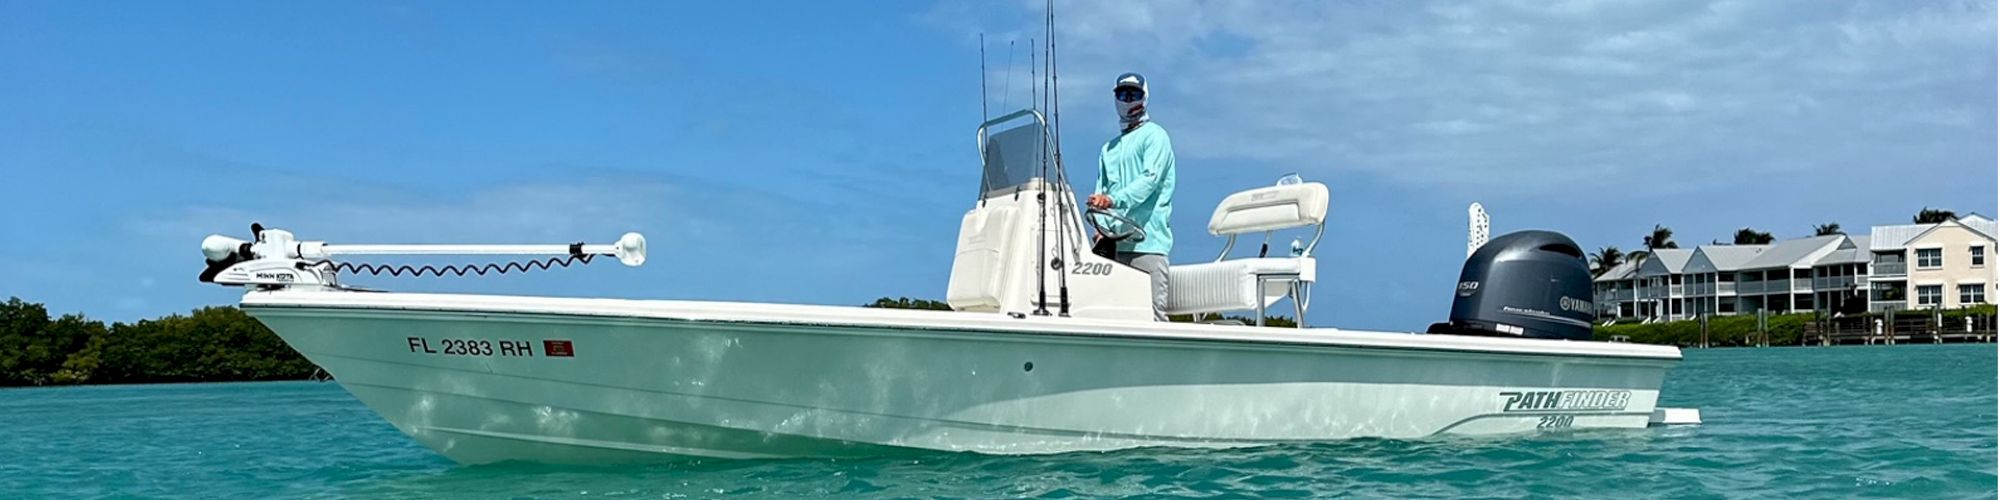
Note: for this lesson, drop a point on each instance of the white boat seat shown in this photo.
(1232, 285)
(1253, 283)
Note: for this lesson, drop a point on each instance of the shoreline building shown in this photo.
(1662, 293)
(1617, 292)
(1921, 266)
(1713, 270)
(1780, 278)
(1909, 266)
(1840, 279)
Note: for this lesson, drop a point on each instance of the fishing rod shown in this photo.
(1042, 263)
(983, 114)
(1067, 204)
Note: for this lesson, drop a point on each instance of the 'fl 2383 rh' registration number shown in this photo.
(489, 347)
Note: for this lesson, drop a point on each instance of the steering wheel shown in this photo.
(1132, 229)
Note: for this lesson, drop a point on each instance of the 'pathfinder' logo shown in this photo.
(1565, 400)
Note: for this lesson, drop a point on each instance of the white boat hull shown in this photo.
(652, 379)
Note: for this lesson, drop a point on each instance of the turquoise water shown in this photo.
(1902, 421)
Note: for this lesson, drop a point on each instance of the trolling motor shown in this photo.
(276, 259)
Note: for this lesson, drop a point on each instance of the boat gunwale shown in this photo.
(940, 321)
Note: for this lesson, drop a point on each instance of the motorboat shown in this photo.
(1049, 346)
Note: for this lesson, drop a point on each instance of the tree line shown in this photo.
(1610, 256)
(210, 344)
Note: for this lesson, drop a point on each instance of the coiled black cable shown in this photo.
(455, 269)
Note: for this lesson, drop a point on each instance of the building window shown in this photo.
(1972, 294)
(1978, 256)
(1727, 277)
(1930, 295)
(1888, 291)
(1930, 257)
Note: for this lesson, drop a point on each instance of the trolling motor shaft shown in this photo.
(277, 259)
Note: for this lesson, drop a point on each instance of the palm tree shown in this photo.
(1932, 216)
(1605, 259)
(1828, 229)
(1747, 236)
(1662, 237)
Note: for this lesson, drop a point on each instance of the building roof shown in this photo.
(1893, 237)
(1622, 271)
(1800, 252)
(1884, 238)
(1856, 254)
(1979, 224)
(1665, 261)
(1723, 258)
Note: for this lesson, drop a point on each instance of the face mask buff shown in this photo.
(1129, 94)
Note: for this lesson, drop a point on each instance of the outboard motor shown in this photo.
(1531, 284)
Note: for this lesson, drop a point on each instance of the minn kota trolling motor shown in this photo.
(276, 260)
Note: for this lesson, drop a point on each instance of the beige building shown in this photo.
(1921, 266)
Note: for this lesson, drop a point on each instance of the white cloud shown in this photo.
(1501, 96)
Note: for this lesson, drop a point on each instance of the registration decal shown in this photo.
(559, 348)
(504, 348)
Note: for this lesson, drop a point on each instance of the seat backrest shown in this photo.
(1269, 209)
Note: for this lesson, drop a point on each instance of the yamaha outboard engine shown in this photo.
(1530, 284)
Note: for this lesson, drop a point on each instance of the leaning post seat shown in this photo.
(1254, 283)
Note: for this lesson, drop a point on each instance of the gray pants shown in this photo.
(1154, 265)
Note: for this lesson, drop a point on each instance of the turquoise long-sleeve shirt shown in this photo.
(1136, 169)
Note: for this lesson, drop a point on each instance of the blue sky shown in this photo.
(817, 152)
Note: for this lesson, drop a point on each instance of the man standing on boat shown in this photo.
(1135, 178)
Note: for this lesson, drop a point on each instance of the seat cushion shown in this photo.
(1231, 285)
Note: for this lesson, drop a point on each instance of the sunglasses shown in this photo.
(1129, 94)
